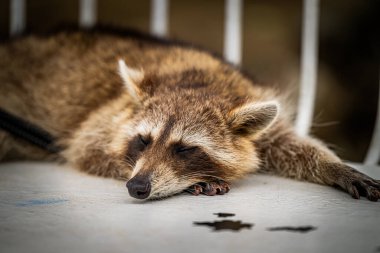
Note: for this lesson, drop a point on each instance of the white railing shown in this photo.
(159, 17)
(233, 31)
(17, 17)
(87, 13)
(373, 154)
(309, 56)
(232, 50)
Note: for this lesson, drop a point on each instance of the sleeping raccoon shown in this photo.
(166, 116)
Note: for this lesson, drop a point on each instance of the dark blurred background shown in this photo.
(349, 39)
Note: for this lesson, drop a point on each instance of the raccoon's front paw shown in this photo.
(358, 184)
(367, 187)
(209, 189)
(217, 187)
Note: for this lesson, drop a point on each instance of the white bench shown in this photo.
(49, 208)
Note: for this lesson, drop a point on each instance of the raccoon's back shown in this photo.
(56, 81)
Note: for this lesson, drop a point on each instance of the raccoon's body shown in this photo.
(164, 115)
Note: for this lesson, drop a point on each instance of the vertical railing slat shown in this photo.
(373, 153)
(159, 17)
(233, 30)
(17, 17)
(309, 62)
(87, 13)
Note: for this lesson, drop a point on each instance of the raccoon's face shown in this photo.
(178, 140)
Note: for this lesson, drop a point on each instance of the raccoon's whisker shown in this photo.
(129, 162)
(129, 159)
(197, 174)
(126, 162)
(132, 164)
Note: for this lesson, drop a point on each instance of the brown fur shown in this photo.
(183, 98)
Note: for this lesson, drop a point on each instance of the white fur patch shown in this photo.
(149, 128)
(139, 164)
(131, 78)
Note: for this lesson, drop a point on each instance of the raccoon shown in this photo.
(166, 116)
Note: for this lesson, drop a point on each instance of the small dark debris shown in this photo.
(225, 225)
(377, 249)
(303, 229)
(224, 215)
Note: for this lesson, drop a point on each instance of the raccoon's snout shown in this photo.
(139, 187)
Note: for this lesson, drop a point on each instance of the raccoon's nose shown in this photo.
(139, 187)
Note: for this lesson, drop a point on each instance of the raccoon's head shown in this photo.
(181, 137)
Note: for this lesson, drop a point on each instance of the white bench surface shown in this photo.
(50, 208)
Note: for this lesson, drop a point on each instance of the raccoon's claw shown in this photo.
(210, 189)
(195, 189)
(367, 188)
(216, 188)
(358, 184)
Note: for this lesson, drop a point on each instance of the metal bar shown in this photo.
(159, 17)
(309, 66)
(233, 30)
(17, 17)
(27, 131)
(373, 153)
(87, 13)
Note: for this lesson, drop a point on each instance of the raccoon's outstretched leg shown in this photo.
(303, 158)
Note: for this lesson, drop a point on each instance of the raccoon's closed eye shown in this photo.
(145, 141)
(184, 149)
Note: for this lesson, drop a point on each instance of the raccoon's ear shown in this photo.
(131, 79)
(253, 118)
